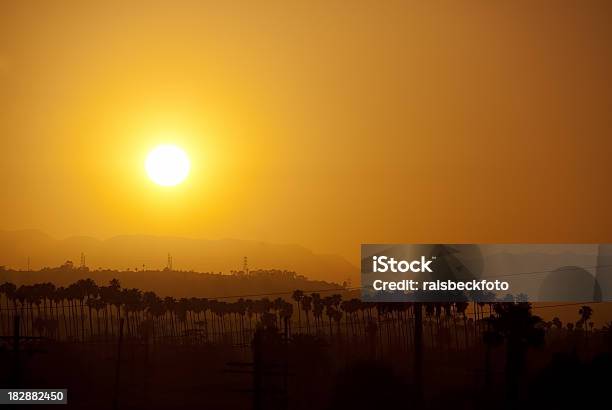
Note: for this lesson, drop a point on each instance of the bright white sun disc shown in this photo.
(167, 165)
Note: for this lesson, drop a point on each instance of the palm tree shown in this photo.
(22, 295)
(58, 300)
(88, 290)
(240, 307)
(307, 306)
(113, 295)
(515, 323)
(279, 304)
(96, 305)
(298, 295)
(607, 332)
(429, 312)
(330, 311)
(286, 313)
(9, 290)
(106, 295)
(461, 308)
(317, 310)
(132, 303)
(418, 350)
(157, 309)
(585, 313)
(337, 316)
(45, 291)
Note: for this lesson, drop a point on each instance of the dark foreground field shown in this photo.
(305, 373)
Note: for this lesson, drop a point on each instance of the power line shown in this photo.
(343, 289)
(364, 287)
(568, 268)
(566, 304)
(75, 305)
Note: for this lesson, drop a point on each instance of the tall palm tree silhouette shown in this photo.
(515, 323)
(298, 295)
(460, 308)
(307, 307)
(10, 293)
(88, 290)
(317, 310)
(585, 313)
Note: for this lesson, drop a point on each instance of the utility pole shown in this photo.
(418, 351)
(118, 367)
(18, 349)
(16, 365)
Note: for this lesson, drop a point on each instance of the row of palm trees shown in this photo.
(84, 311)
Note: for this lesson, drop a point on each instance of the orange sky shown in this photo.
(326, 124)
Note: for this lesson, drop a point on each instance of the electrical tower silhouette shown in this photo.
(169, 265)
(82, 260)
(245, 265)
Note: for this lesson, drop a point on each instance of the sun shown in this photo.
(167, 165)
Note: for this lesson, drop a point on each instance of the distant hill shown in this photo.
(270, 283)
(133, 251)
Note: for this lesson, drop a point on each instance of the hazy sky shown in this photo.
(326, 124)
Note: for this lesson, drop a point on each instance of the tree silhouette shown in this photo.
(298, 295)
(585, 313)
(515, 323)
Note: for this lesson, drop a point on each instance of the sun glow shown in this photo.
(167, 165)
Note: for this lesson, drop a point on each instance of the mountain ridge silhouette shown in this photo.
(204, 255)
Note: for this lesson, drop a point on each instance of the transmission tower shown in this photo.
(169, 265)
(82, 260)
(245, 265)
